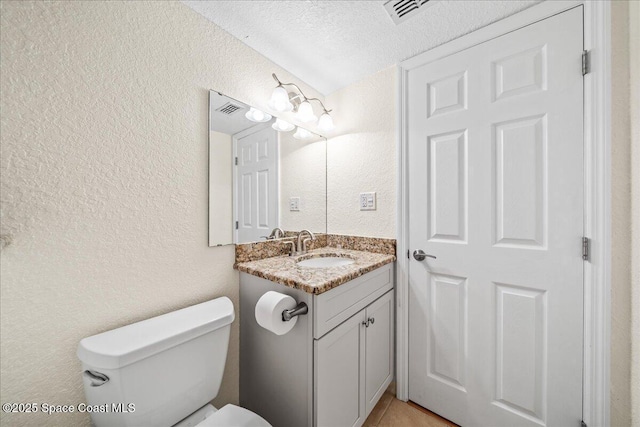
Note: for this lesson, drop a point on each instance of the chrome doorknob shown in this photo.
(419, 255)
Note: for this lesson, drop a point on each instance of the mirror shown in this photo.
(261, 178)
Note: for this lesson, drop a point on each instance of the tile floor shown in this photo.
(391, 412)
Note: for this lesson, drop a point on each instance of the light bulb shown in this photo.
(305, 113)
(280, 100)
(257, 116)
(325, 124)
(282, 126)
(302, 134)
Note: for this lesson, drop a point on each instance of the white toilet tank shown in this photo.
(160, 370)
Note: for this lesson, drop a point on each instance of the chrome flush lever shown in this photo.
(97, 378)
(419, 255)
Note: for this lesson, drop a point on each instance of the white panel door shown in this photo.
(257, 184)
(496, 195)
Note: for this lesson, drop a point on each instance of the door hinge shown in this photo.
(236, 225)
(586, 62)
(585, 248)
(236, 161)
(583, 424)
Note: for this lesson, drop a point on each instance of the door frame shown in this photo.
(597, 187)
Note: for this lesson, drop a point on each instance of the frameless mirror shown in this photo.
(261, 175)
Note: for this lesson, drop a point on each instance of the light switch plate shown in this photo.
(294, 204)
(368, 201)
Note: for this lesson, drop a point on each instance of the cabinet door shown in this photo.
(379, 349)
(339, 375)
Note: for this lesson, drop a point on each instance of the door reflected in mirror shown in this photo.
(264, 173)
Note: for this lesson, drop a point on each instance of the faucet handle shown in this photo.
(304, 244)
(292, 249)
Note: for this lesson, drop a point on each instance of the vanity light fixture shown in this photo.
(282, 101)
(305, 113)
(302, 134)
(282, 125)
(325, 124)
(257, 116)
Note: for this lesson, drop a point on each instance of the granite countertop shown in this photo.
(286, 271)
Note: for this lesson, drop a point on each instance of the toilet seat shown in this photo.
(234, 416)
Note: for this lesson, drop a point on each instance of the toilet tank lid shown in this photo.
(128, 344)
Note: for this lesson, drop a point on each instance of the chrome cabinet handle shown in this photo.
(369, 321)
(419, 255)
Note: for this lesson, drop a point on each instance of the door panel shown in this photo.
(520, 73)
(246, 187)
(521, 324)
(496, 194)
(520, 177)
(338, 377)
(448, 186)
(447, 94)
(448, 338)
(263, 199)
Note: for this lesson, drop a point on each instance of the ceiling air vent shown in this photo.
(401, 10)
(229, 108)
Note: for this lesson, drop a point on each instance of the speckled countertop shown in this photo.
(286, 271)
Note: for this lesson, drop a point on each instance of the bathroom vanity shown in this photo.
(334, 365)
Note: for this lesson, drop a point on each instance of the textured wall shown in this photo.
(104, 180)
(362, 157)
(621, 219)
(634, 49)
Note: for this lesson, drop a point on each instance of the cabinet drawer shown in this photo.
(337, 305)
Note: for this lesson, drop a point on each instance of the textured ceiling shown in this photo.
(331, 44)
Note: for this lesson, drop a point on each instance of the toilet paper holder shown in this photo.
(299, 309)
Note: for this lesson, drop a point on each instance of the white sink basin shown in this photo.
(325, 262)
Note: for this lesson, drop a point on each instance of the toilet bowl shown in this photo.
(163, 371)
(228, 415)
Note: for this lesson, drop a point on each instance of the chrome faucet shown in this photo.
(302, 243)
(276, 233)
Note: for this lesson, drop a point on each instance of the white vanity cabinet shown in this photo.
(333, 366)
(354, 365)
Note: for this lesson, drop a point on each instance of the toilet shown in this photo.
(163, 371)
